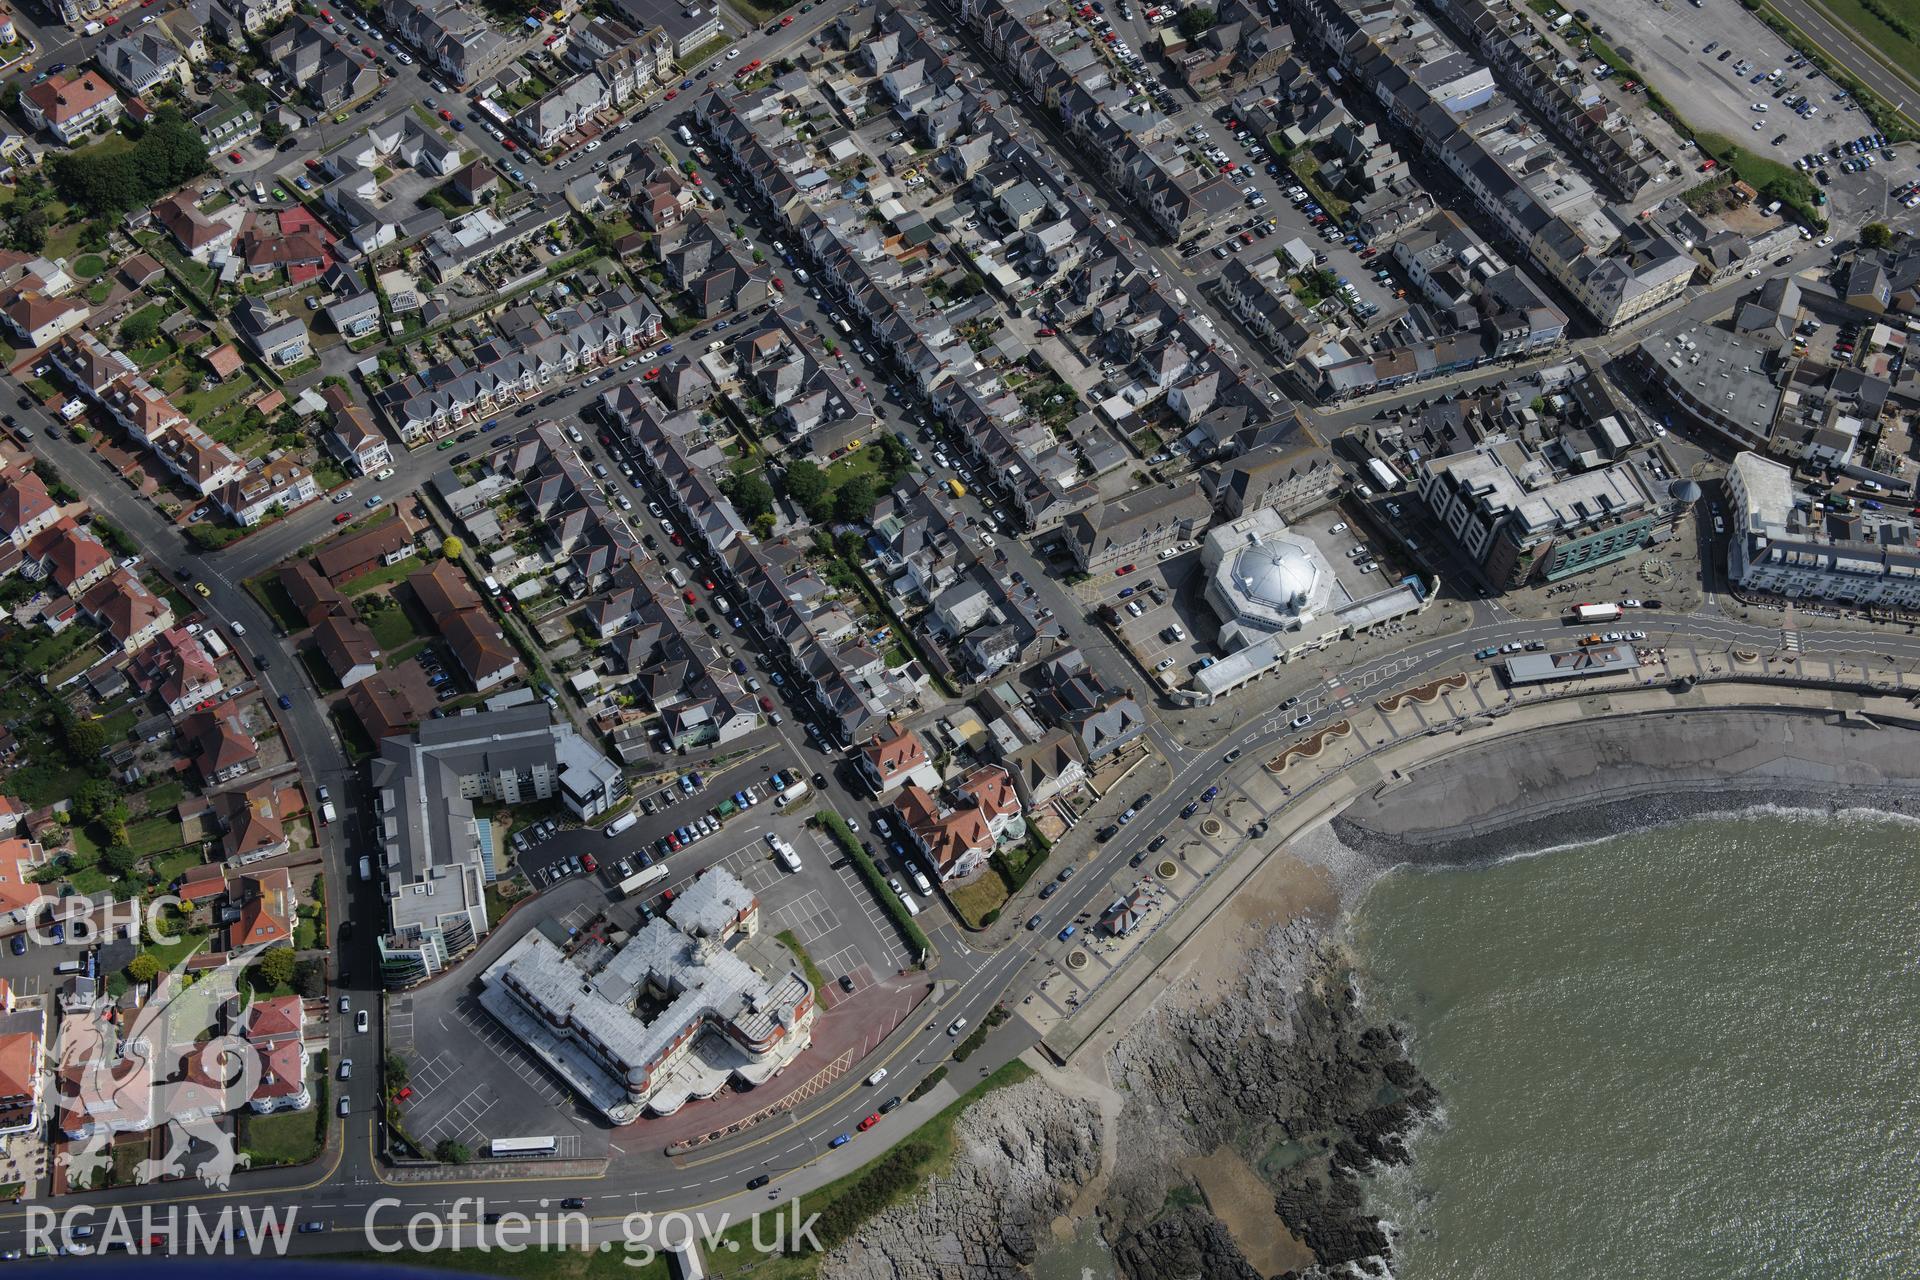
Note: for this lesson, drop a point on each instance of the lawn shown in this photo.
(986, 893)
(185, 942)
(90, 265)
(392, 628)
(223, 412)
(153, 835)
(171, 867)
(50, 651)
(286, 1137)
(163, 796)
(380, 577)
(861, 462)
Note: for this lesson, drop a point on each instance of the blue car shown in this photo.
(842, 1140)
(286, 703)
(1125, 592)
(665, 347)
(459, 126)
(1210, 793)
(776, 678)
(19, 944)
(1068, 932)
(739, 667)
(686, 84)
(1190, 810)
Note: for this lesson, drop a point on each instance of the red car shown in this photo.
(1046, 333)
(509, 144)
(342, 518)
(586, 860)
(506, 605)
(653, 373)
(672, 94)
(112, 20)
(236, 157)
(691, 598)
(780, 284)
(707, 583)
(766, 703)
(869, 1122)
(787, 21)
(445, 114)
(677, 540)
(1124, 570)
(740, 74)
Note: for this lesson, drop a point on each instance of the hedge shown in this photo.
(878, 883)
(926, 1085)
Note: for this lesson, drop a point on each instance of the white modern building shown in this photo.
(1779, 548)
(674, 1015)
(1277, 597)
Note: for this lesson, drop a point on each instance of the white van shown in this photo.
(678, 576)
(686, 135)
(69, 966)
(877, 1077)
(493, 584)
(366, 868)
(907, 901)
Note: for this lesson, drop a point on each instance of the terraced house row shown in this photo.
(244, 492)
(533, 354)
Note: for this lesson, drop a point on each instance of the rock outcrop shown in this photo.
(1022, 1155)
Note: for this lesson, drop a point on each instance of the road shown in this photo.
(1843, 49)
(340, 1190)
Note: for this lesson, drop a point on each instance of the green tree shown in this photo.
(117, 859)
(275, 969)
(143, 967)
(86, 740)
(1197, 19)
(94, 797)
(139, 328)
(752, 496)
(807, 485)
(451, 1152)
(310, 979)
(854, 499)
(1876, 235)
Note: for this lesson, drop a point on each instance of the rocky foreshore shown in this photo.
(1282, 1070)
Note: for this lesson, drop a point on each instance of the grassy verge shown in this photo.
(846, 1203)
(807, 966)
(889, 900)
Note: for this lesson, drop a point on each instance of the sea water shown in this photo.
(1691, 1052)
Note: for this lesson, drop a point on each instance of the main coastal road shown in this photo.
(342, 1191)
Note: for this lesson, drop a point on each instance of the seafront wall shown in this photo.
(1554, 783)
